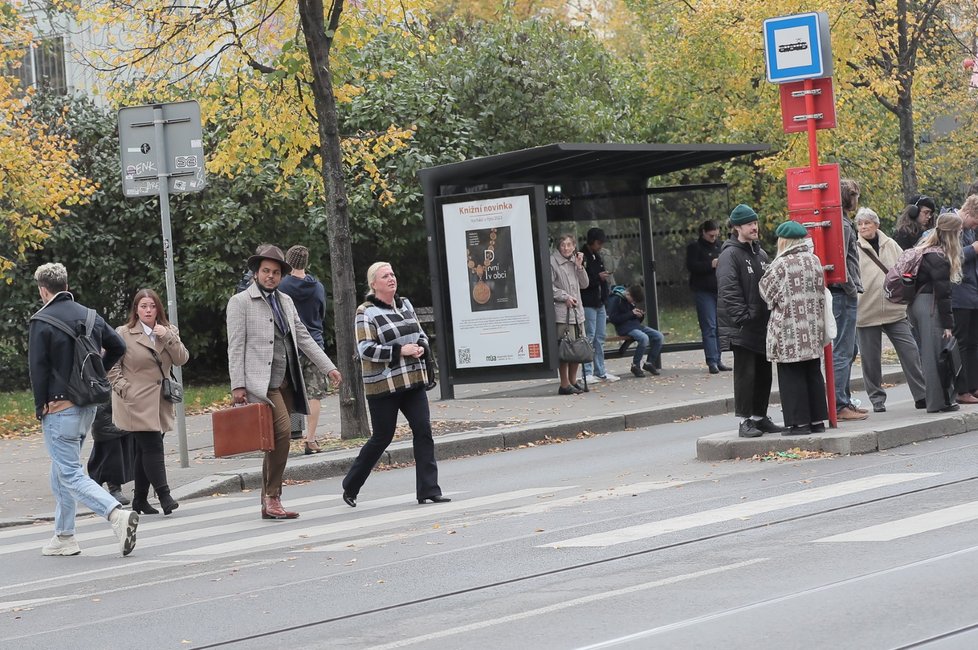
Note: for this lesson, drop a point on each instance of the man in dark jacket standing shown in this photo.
(701, 262)
(743, 317)
(309, 297)
(594, 298)
(51, 355)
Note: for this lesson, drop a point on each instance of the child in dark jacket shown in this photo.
(627, 318)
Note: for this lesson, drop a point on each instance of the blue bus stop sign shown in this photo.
(797, 47)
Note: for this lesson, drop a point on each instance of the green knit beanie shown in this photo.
(742, 214)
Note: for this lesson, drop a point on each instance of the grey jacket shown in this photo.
(251, 337)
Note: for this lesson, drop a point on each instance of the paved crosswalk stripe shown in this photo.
(589, 497)
(567, 604)
(293, 534)
(910, 526)
(151, 524)
(738, 511)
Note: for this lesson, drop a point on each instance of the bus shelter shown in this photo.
(491, 223)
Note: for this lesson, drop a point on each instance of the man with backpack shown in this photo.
(68, 381)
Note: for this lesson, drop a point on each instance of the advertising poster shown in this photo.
(492, 282)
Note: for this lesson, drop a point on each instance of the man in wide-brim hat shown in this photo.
(265, 336)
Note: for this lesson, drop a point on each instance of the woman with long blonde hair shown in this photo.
(930, 312)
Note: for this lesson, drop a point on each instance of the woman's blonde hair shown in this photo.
(970, 207)
(372, 274)
(946, 234)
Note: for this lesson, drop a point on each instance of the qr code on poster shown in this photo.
(464, 356)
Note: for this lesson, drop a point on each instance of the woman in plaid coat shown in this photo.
(391, 345)
(793, 286)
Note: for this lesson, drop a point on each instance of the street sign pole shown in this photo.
(146, 170)
(171, 283)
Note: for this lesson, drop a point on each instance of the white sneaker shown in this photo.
(608, 377)
(591, 379)
(124, 523)
(61, 546)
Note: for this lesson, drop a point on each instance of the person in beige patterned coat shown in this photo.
(793, 286)
(265, 336)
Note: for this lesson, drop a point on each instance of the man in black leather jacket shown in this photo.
(743, 316)
(51, 357)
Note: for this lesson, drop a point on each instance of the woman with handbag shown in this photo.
(793, 286)
(875, 315)
(143, 394)
(930, 311)
(568, 278)
(392, 348)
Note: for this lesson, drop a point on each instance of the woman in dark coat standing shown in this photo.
(112, 454)
(914, 220)
(702, 257)
(930, 312)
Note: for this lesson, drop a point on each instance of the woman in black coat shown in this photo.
(111, 461)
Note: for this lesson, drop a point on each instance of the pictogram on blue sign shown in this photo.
(797, 47)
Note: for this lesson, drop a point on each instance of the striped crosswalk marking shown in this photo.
(910, 526)
(738, 511)
(296, 534)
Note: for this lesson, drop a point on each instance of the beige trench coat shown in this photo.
(567, 280)
(137, 398)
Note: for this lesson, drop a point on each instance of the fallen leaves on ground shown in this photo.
(791, 454)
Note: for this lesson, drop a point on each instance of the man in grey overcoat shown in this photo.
(265, 336)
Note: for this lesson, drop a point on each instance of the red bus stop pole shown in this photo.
(819, 235)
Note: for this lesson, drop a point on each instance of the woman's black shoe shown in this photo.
(817, 427)
(168, 503)
(350, 499)
(435, 499)
(142, 507)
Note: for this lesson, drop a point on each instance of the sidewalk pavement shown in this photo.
(487, 417)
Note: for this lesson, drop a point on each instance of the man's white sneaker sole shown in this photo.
(124, 527)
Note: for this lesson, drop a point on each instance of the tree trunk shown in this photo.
(907, 146)
(353, 413)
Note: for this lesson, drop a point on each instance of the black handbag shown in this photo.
(576, 350)
(171, 389)
(949, 363)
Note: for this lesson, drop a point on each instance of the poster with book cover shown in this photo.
(492, 278)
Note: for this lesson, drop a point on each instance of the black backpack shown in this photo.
(87, 384)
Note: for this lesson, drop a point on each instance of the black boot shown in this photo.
(116, 492)
(140, 503)
(167, 502)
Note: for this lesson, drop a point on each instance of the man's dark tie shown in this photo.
(279, 318)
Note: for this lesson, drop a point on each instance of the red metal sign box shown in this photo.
(793, 111)
(825, 223)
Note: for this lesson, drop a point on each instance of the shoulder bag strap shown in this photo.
(872, 255)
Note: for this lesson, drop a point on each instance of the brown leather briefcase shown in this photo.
(243, 429)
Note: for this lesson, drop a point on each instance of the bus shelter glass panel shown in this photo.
(676, 216)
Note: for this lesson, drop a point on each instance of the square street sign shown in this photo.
(182, 144)
(797, 47)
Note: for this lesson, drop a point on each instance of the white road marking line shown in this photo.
(151, 524)
(294, 535)
(706, 618)
(910, 526)
(87, 521)
(577, 602)
(738, 511)
(544, 504)
(590, 497)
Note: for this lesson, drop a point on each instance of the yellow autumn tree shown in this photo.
(264, 73)
(38, 182)
(899, 89)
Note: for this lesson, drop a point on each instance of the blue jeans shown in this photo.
(643, 336)
(844, 346)
(595, 326)
(706, 314)
(64, 435)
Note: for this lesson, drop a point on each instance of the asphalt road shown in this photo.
(620, 540)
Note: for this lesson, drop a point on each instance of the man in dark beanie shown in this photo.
(594, 298)
(743, 317)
